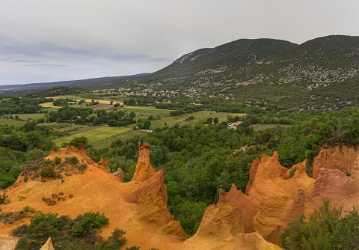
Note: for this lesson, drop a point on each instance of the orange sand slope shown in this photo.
(139, 207)
(7, 243)
(275, 196)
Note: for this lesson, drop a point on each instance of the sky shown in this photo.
(55, 40)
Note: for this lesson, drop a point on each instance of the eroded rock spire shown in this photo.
(144, 169)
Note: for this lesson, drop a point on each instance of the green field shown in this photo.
(67, 128)
(198, 117)
(103, 136)
(258, 127)
(49, 106)
(30, 116)
(145, 111)
(98, 136)
(11, 122)
(20, 119)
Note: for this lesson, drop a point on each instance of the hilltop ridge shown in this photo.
(320, 74)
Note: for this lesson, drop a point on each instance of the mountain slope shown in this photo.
(226, 57)
(267, 60)
(320, 74)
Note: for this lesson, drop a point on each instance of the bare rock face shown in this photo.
(150, 193)
(253, 241)
(144, 170)
(274, 197)
(233, 214)
(343, 158)
(48, 245)
(228, 225)
(337, 178)
(278, 194)
(281, 195)
(7, 243)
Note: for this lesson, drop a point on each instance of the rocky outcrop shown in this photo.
(144, 169)
(281, 195)
(48, 245)
(337, 178)
(274, 197)
(228, 225)
(231, 215)
(7, 243)
(139, 207)
(278, 194)
(148, 190)
(343, 158)
(253, 241)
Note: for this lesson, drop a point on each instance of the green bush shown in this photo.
(48, 171)
(88, 223)
(326, 229)
(68, 234)
(79, 142)
(72, 160)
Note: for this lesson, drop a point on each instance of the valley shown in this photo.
(248, 145)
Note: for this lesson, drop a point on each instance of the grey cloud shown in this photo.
(66, 39)
(49, 50)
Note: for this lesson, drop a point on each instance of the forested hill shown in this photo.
(323, 72)
(318, 62)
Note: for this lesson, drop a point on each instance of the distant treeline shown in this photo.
(95, 117)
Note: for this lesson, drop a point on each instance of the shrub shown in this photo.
(4, 198)
(48, 171)
(79, 142)
(326, 229)
(60, 229)
(72, 160)
(88, 224)
(57, 161)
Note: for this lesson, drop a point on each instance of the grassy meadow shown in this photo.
(104, 135)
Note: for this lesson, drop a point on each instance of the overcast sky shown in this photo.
(52, 40)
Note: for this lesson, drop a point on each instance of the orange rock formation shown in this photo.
(253, 241)
(342, 158)
(139, 207)
(281, 195)
(278, 196)
(7, 243)
(144, 170)
(337, 178)
(225, 223)
(48, 245)
(275, 196)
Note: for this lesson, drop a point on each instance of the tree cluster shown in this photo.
(89, 116)
(80, 233)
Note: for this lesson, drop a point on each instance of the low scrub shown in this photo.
(80, 233)
(326, 229)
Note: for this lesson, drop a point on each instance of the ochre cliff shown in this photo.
(144, 170)
(281, 195)
(337, 178)
(343, 158)
(148, 191)
(278, 194)
(225, 224)
(274, 197)
(139, 207)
